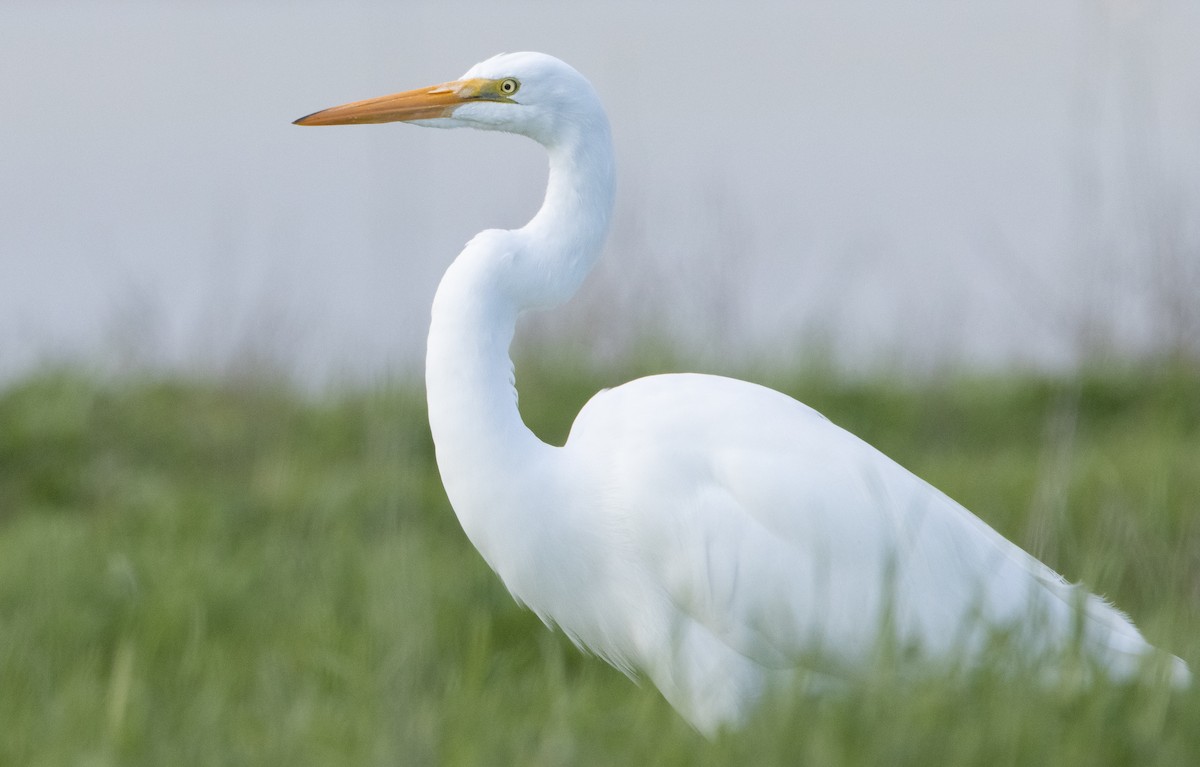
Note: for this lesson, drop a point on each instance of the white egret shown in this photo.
(708, 533)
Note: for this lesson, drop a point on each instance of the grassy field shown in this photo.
(231, 573)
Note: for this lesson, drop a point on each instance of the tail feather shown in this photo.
(1117, 644)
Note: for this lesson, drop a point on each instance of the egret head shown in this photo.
(532, 94)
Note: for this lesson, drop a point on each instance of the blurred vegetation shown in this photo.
(230, 572)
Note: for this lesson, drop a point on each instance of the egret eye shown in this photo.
(509, 86)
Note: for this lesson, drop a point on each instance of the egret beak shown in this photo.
(420, 104)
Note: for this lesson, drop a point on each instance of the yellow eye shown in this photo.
(509, 86)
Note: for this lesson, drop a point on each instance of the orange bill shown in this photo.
(419, 104)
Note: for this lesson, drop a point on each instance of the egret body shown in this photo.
(708, 533)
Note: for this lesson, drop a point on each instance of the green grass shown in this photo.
(230, 573)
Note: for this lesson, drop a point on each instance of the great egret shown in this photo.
(708, 533)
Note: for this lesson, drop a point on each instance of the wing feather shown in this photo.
(782, 533)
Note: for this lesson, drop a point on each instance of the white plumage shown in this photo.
(709, 533)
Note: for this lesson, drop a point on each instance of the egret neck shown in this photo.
(490, 462)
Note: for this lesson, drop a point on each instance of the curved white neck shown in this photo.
(488, 458)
